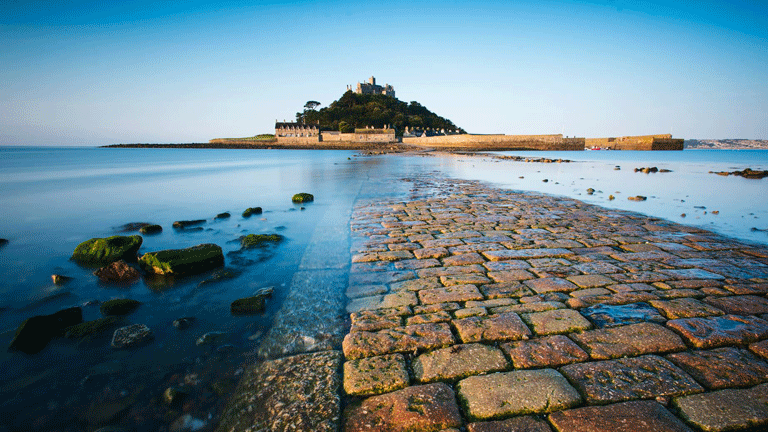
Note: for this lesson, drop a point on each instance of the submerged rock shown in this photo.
(303, 197)
(3, 242)
(103, 251)
(637, 198)
(212, 338)
(219, 275)
(131, 336)
(184, 323)
(196, 259)
(59, 279)
(134, 226)
(251, 211)
(188, 223)
(151, 229)
(118, 307)
(747, 173)
(224, 215)
(172, 396)
(253, 304)
(256, 240)
(118, 271)
(91, 328)
(35, 333)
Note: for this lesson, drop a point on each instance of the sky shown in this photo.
(104, 72)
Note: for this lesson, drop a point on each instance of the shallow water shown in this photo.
(689, 189)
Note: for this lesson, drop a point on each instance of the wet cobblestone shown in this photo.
(534, 312)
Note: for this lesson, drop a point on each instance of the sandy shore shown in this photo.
(472, 308)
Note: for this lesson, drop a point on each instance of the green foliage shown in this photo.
(354, 110)
(345, 127)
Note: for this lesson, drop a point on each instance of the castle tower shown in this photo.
(372, 80)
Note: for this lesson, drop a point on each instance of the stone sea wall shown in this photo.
(500, 142)
(641, 142)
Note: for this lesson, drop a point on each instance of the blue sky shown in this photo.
(102, 72)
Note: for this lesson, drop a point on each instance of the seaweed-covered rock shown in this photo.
(103, 251)
(224, 215)
(134, 226)
(303, 197)
(256, 240)
(60, 279)
(118, 271)
(91, 328)
(119, 307)
(196, 259)
(131, 336)
(151, 229)
(3, 242)
(35, 333)
(251, 211)
(188, 223)
(251, 305)
(184, 322)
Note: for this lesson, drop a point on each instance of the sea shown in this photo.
(55, 198)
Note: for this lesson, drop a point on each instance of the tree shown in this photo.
(345, 127)
(311, 105)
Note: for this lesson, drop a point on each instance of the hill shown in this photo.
(354, 110)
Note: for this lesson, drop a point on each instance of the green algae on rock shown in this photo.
(251, 211)
(118, 307)
(188, 223)
(102, 251)
(256, 240)
(151, 229)
(91, 328)
(192, 260)
(303, 197)
(253, 304)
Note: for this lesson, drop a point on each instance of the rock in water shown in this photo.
(35, 333)
(224, 215)
(256, 240)
(151, 229)
(60, 280)
(103, 251)
(303, 197)
(3, 242)
(253, 304)
(212, 338)
(251, 211)
(196, 259)
(637, 198)
(118, 271)
(118, 307)
(184, 323)
(131, 336)
(188, 223)
(91, 328)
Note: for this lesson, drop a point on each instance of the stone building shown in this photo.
(291, 130)
(371, 87)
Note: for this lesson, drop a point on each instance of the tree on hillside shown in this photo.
(311, 105)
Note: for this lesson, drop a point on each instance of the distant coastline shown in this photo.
(726, 144)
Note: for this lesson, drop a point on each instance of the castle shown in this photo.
(372, 88)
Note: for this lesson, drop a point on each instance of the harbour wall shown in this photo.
(499, 142)
(640, 142)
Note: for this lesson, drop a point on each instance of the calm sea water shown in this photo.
(55, 198)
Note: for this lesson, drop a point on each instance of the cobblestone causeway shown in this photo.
(477, 309)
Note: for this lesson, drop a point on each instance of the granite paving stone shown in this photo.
(591, 280)
(416, 284)
(739, 305)
(545, 285)
(633, 416)
(685, 308)
(500, 327)
(518, 392)
(624, 379)
(463, 259)
(428, 408)
(375, 375)
(506, 289)
(603, 315)
(629, 340)
(725, 410)
(455, 293)
(722, 330)
(722, 367)
(507, 254)
(515, 424)
(464, 279)
(760, 348)
(433, 317)
(398, 339)
(458, 361)
(556, 321)
(431, 252)
(550, 351)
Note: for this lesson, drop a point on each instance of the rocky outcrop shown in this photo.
(35, 333)
(253, 304)
(747, 173)
(151, 229)
(131, 336)
(256, 240)
(118, 307)
(251, 211)
(179, 262)
(184, 224)
(118, 271)
(103, 251)
(303, 197)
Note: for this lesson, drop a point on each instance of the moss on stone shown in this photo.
(188, 223)
(224, 215)
(196, 259)
(256, 240)
(102, 251)
(118, 307)
(251, 211)
(91, 328)
(151, 229)
(303, 197)
(248, 305)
